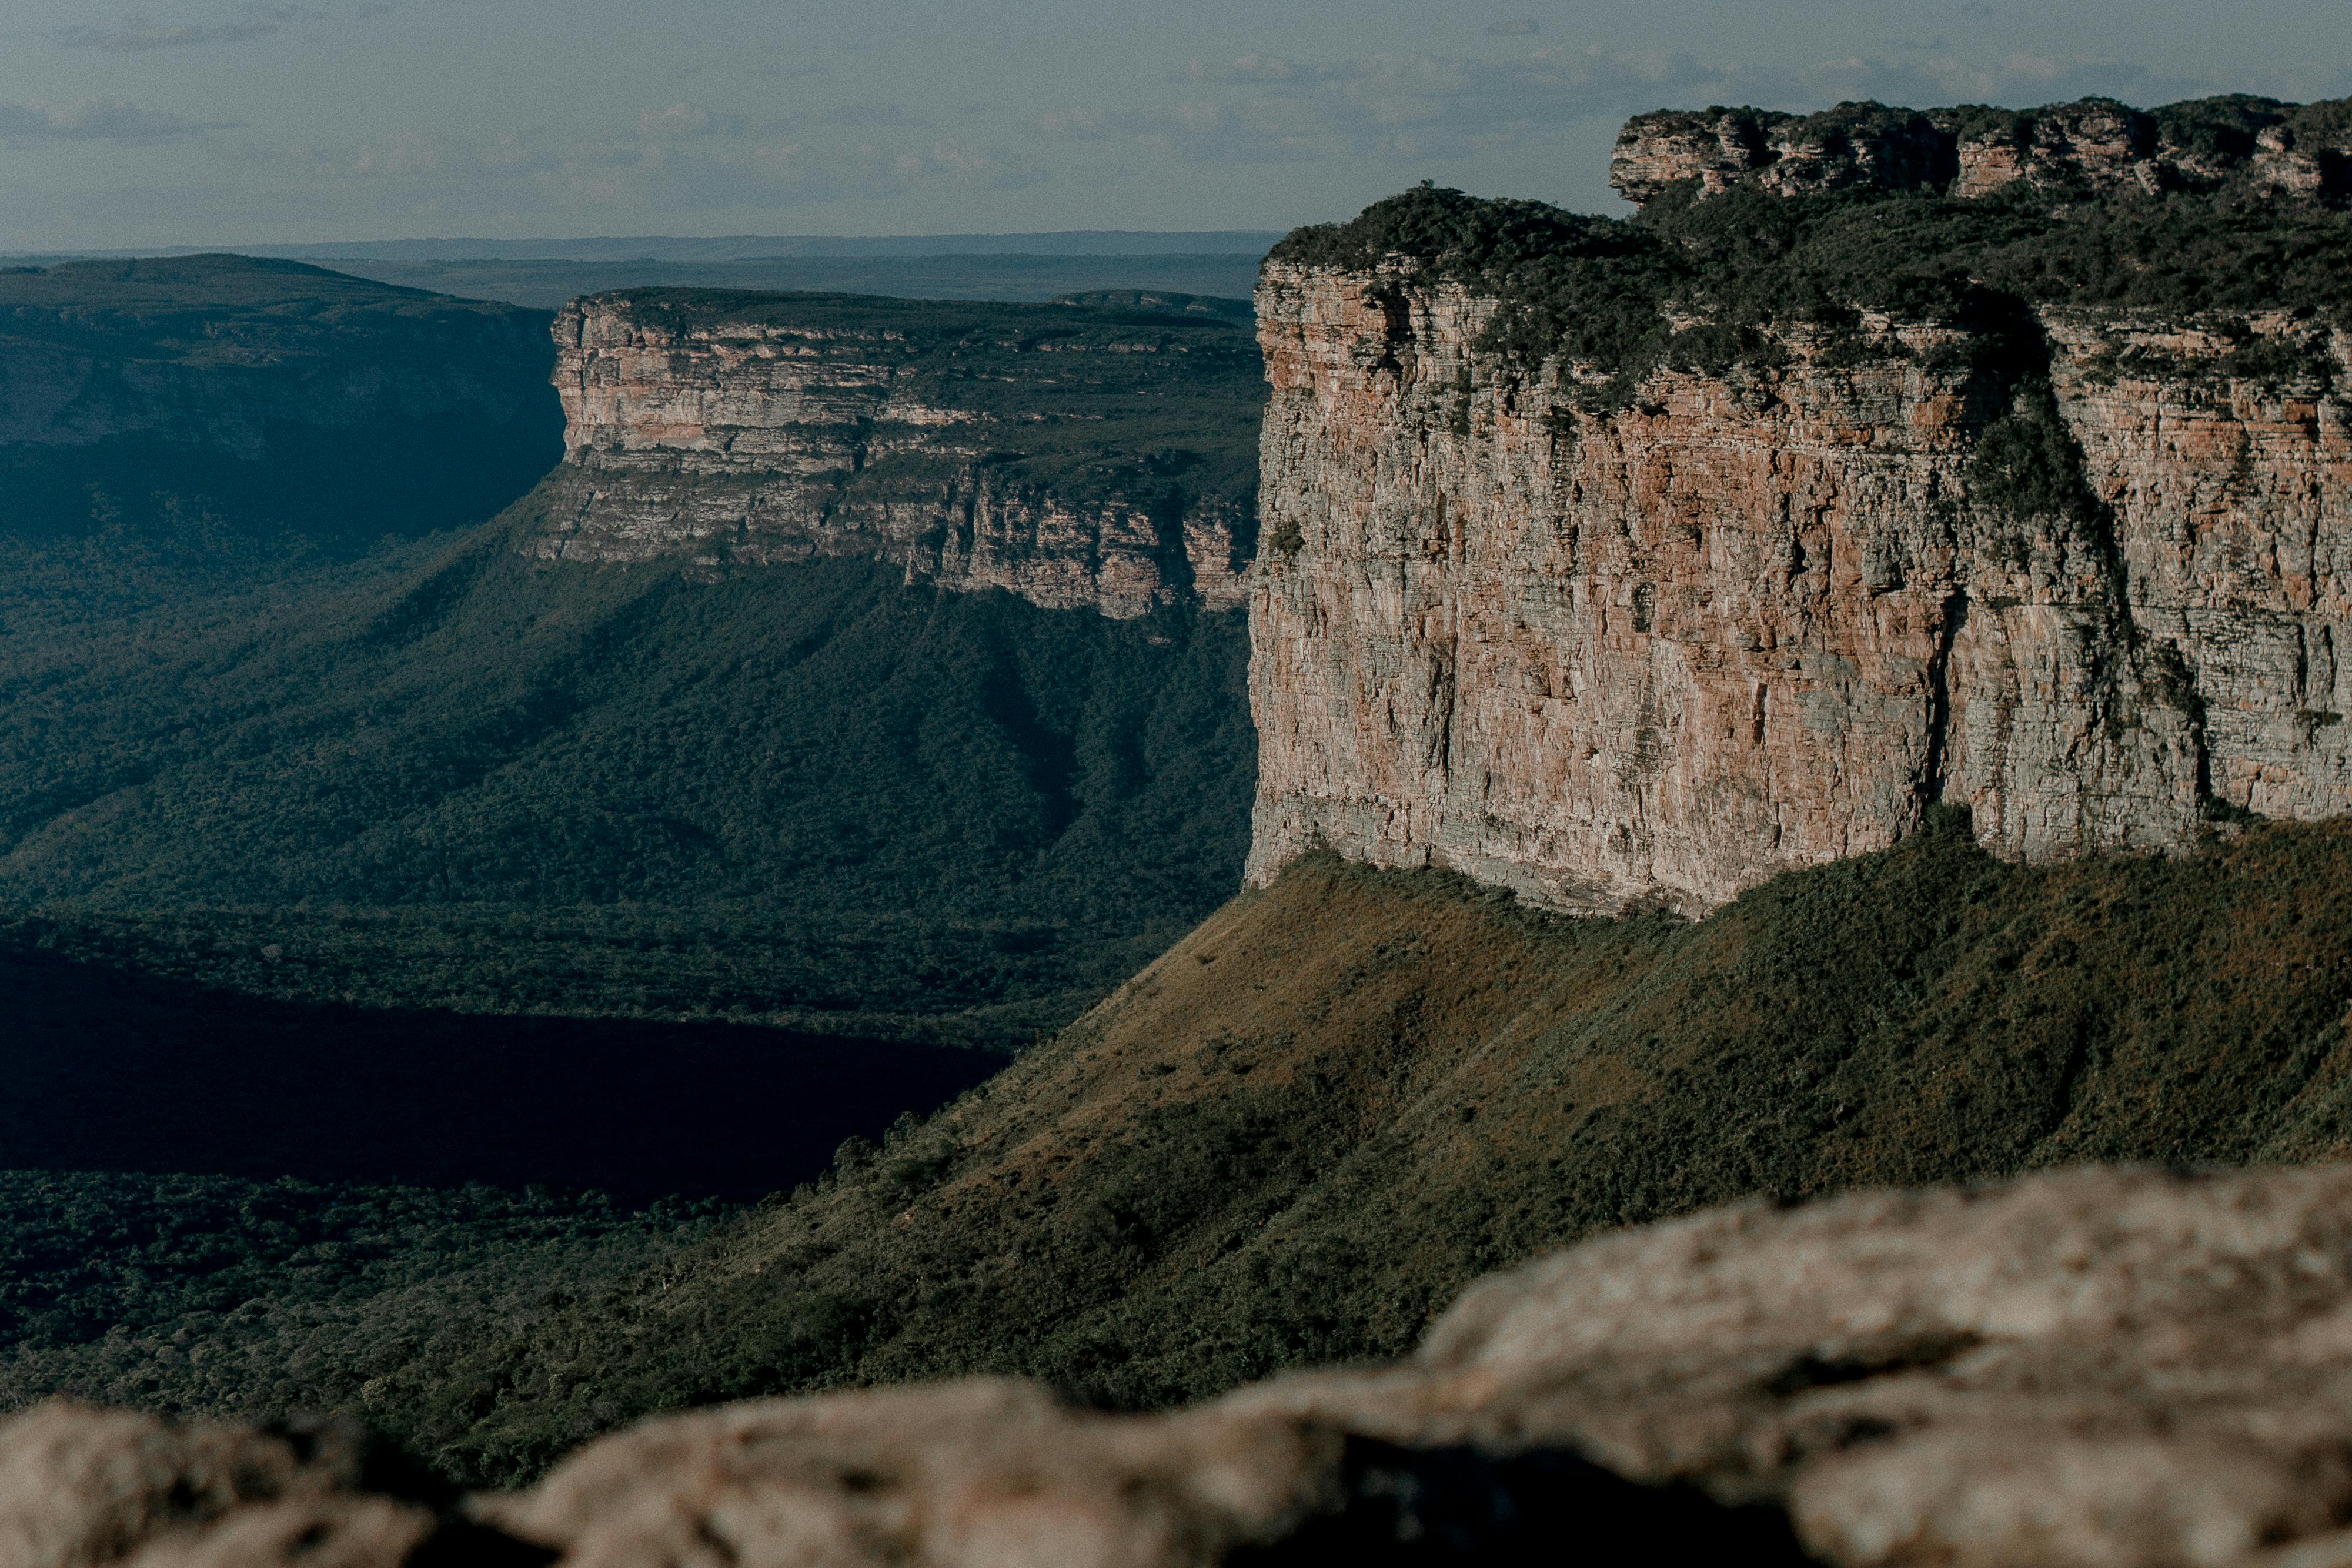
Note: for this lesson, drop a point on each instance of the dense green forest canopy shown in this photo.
(804, 792)
(218, 1294)
(213, 417)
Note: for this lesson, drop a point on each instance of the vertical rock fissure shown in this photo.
(1935, 765)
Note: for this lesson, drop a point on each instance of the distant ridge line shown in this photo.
(741, 248)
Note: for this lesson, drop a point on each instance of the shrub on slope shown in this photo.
(222, 1294)
(1294, 1137)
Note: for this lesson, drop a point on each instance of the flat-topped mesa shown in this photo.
(1604, 565)
(2255, 145)
(1077, 456)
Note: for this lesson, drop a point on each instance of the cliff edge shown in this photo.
(1075, 455)
(1628, 563)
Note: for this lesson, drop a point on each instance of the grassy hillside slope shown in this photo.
(792, 796)
(1300, 1132)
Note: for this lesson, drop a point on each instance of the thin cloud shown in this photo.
(666, 168)
(1518, 27)
(139, 35)
(95, 120)
(1414, 109)
(1264, 70)
(687, 122)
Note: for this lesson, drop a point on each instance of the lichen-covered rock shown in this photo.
(1654, 654)
(2096, 1368)
(978, 1472)
(723, 432)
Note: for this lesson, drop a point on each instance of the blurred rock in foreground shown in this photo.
(2104, 1367)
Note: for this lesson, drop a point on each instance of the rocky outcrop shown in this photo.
(80, 1487)
(1656, 651)
(2075, 1371)
(1030, 448)
(2258, 145)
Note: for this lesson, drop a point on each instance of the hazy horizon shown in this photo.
(1071, 243)
(227, 124)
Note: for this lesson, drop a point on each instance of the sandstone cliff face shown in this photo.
(2256, 145)
(742, 430)
(1764, 619)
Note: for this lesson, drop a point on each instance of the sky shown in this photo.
(221, 122)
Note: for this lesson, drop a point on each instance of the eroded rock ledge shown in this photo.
(2090, 1368)
(1074, 455)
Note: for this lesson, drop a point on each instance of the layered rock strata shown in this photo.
(2072, 1370)
(1074, 455)
(2259, 146)
(1757, 620)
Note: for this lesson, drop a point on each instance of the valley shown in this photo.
(1527, 886)
(807, 793)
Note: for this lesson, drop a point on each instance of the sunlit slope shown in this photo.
(1294, 1137)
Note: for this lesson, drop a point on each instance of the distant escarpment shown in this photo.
(1075, 455)
(1631, 562)
(2252, 146)
(224, 406)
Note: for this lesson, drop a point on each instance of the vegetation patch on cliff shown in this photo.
(1704, 283)
(1297, 1135)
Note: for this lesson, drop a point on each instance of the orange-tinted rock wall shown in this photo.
(1747, 624)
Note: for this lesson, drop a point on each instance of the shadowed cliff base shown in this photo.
(1293, 1138)
(111, 1070)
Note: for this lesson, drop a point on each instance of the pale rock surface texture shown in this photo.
(82, 1487)
(2088, 1369)
(1654, 654)
(721, 433)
